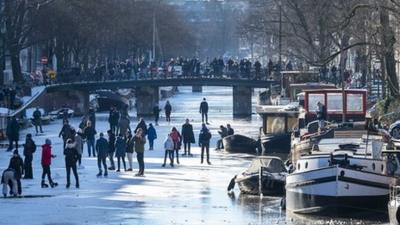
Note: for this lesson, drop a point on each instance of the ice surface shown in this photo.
(190, 193)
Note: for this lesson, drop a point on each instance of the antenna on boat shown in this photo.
(366, 144)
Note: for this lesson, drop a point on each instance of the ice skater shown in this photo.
(169, 151)
(46, 162)
(71, 156)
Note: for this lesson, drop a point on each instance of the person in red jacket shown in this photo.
(46, 162)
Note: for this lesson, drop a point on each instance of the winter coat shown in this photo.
(187, 133)
(90, 132)
(102, 147)
(66, 132)
(156, 111)
(13, 129)
(139, 144)
(4, 172)
(78, 144)
(29, 147)
(111, 143)
(168, 109)
(124, 125)
(204, 137)
(230, 131)
(71, 155)
(151, 133)
(46, 155)
(168, 144)
(142, 125)
(203, 107)
(177, 139)
(17, 164)
(37, 116)
(130, 145)
(223, 132)
(120, 147)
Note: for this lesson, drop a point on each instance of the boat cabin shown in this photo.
(278, 119)
(279, 122)
(354, 106)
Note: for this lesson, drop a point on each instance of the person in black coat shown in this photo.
(204, 142)
(29, 149)
(188, 137)
(230, 129)
(37, 120)
(168, 110)
(17, 164)
(143, 126)
(204, 110)
(111, 148)
(65, 132)
(92, 117)
(12, 133)
(71, 156)
(156, 113)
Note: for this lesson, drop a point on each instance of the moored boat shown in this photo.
(333, 180)
(239, 144)
(270, 170)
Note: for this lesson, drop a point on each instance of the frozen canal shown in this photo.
(190, 193)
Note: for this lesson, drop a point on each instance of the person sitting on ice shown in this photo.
(9, 179)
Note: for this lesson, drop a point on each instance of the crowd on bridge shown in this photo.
(179, 67)
(120, 141)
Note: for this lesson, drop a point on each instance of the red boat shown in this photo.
(353, 105)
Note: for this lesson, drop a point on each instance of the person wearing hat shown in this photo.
(29, 149)
(46, 162)
(102, 153)
(71, 156)
(17, 164)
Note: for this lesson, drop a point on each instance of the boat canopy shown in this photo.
(273, 165)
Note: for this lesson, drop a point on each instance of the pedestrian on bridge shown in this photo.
(204, 111)
(168, 110)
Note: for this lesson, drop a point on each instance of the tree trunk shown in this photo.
(16, 67)
(388, 41)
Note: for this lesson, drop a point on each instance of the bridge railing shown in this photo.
(160, 75)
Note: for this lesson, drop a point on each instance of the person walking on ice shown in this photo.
(102, 153)
(204, 111)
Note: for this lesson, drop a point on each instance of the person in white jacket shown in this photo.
(169, 150)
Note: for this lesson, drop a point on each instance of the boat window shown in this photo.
(298, 166)
(313, 99)
(355, 103)
(275, 125)
(306, 165)
(382, 167)
(373, 166)
(335, 102)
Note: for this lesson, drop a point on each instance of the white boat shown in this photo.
(335, 179)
